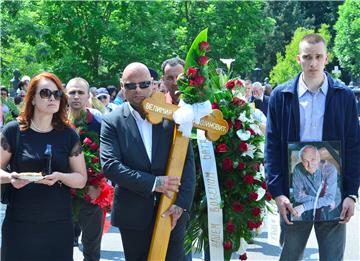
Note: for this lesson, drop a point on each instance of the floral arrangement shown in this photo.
(90, 144)
(193, 83)
(239, 159)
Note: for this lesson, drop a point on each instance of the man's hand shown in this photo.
(16, 181)
(347, 211)
(299, 210)
(284, 207)
(167, 184)
(175, 212)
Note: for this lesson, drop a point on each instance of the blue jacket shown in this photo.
(283, 125)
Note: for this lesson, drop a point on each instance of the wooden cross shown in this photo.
(214, 125)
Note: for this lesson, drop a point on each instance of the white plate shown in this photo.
(31, 178)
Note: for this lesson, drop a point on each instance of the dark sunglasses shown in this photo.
(46, 94)
(103, 97)
(132, 85)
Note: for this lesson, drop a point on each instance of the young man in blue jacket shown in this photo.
(312, 107)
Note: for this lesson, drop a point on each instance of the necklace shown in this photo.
(36, 128)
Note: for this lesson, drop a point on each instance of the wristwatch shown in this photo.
(353, 197)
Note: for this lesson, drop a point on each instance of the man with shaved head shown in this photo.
(134, 156)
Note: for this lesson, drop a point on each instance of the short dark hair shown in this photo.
(4, 89)
(172, 62)
(313, 39)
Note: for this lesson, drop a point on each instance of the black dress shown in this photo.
(37, 224)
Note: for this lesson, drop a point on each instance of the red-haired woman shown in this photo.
(37, 224)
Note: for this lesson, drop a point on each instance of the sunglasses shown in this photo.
(132, 85)
(103, 97)
(46, 94)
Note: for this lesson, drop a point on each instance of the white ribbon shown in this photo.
(215, 217)
(187, 114)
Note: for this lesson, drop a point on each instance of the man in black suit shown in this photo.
(259, 98)
(134, 156)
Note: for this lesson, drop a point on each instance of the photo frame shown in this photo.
(315, 180)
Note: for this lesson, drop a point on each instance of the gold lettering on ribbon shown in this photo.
(212, 125)
(158, 109)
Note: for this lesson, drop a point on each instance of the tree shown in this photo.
(287, 66)
(347, 40)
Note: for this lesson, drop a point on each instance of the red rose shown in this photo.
(256, 166)
(229, 123)
(227, 245)
(95, 159)
(268, 196)
(94, 146)
(199, 79)
(87, 141)
(238, 124)
(237, 207)
(215, 105)
(203, 60)
(258, 224)
(191, 72)
(243, 257)
(253, 196)
(241, 166)
(204, 46)
(263, 185)
(251, 131)
(227, 164)
(229, 183)
(230, 85)
(230, 227)
(238, 101)
(255, 211)
(221, 148)
(239, 83)
(248, 179)
(251, 225)
(243, 146)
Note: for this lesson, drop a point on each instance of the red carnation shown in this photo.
(268, 196)
(199, 79)
(203, 60)
(229, 123)
(238, 124)
(263, 185)
(95, 159)
(239, 83)
(221, 148)
(248, 179)
(251, 131)
(243, 146)
(227, 164)
(204, 46)
(87, 141)
(255, 211)
(227, 245)
(215, 105)
(253, 196)
(241, 166)
(243, 257)
(230, 85)
(237, 207)
(229, 183)
(94, 146)
(230, 227)
(192, 72)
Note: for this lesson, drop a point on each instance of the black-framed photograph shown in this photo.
(315, 180)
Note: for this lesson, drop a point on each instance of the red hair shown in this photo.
(59, 119)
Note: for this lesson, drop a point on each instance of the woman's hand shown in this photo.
(51, 179)
(16, 181)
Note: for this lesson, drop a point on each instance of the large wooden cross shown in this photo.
(214, 125)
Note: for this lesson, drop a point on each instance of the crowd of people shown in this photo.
(134, 154)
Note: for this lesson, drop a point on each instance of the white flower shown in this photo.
(250, 151)
(243, 135)
(228, 62)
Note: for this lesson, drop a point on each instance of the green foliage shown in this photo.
(287, 66)
(347, 40)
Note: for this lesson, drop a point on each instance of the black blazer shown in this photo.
(126, 164)
(262, 105)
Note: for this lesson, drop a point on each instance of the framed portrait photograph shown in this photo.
(315, 180)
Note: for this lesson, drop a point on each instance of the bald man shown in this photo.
(134, 156)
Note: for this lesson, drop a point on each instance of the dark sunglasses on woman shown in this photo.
(46, 94)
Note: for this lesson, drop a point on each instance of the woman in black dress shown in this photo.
(37, 224)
